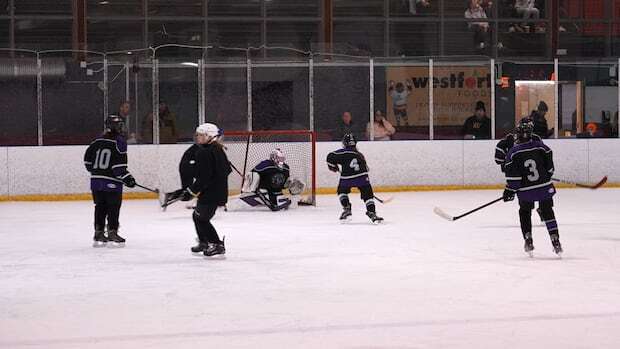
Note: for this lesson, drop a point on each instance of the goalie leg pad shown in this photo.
(252, 180)
(252, 200)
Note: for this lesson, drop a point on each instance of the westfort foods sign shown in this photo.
(455, 92)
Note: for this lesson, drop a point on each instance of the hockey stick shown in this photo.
(385, 200)
(581, 185)
(156, 191)
(236, 170)
(444, 215)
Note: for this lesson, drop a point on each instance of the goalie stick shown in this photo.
(438, 211)
(581, 185)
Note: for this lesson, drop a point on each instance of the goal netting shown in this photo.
(245, 149)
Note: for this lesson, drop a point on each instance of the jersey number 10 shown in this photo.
(102, 159)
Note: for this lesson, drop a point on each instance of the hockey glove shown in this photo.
(186, 196)
(509, 195)
(129, 181)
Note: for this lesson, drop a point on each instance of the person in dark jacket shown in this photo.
(347, 126)
(478, 126)
(540, 123)
(210, 187)
(187, 172)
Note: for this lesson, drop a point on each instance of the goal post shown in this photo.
(245, 149)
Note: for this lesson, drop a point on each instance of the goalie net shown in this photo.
(245, 149)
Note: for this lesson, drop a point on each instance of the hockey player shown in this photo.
(503, 147)
(529, 167)
(187, 171)
(264, 184)
(106, 160)
(353, 173)
(210, 187)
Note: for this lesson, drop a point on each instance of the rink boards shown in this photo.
(57, 172)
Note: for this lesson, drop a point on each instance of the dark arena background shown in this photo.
(188, 173)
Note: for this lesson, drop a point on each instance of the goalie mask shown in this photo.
(277, 157)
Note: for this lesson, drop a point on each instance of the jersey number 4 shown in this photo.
(102, 159)
(354, 165)
(531, 166)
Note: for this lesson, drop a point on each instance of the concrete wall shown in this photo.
(59, 169)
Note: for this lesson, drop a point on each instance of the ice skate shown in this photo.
(346, 214)
(215, 249)
(100, 240)
(114, 239)
(374, 218)
(528, 247)
(201, 247)
(557, 246)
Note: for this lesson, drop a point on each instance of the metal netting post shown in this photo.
(431, 126)
(127, 78)
(105, 90)
(371, 73)
(39, 101)
(155, 101)
(201, 92)
(493, 98)
(556, 102)
(249, 89)
(311, 92)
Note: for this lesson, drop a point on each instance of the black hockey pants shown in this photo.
(107, 206)
(366, 194)
(202, 220)
(546, 213)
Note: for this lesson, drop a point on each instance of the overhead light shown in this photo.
(129, 52)
(104, 2)
(190, 64)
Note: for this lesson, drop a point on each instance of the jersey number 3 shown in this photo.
(354, 165)
(531, 165)
(102, 159)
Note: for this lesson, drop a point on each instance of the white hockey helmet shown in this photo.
(209, 129)
(277, 157)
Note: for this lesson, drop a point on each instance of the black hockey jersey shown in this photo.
(503, 147)
(187, 166)
(529, 167)
(352, 166)
(106, 160)
(272, 177)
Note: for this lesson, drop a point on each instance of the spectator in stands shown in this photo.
(383, 129)
(606, 128)
(346, 125)
(167, 126)
(478, 126)
(124, 110)
(480, 29)
(540, 123)
(527, 9)
(417, 6)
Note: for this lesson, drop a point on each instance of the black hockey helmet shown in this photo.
(349, 140)
(524, 130)
(115, 124)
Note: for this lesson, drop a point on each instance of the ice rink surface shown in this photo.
(299, 279)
